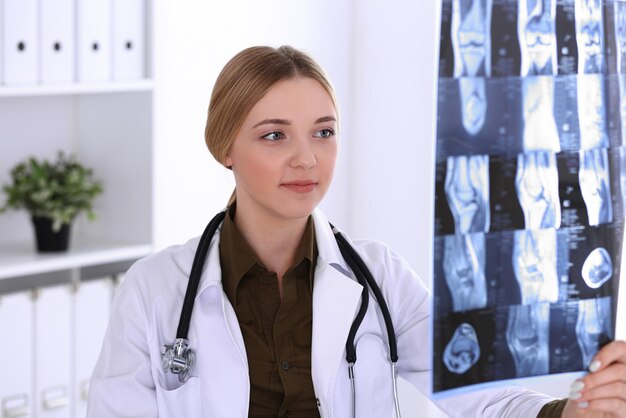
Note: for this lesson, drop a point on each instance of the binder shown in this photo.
(20, 43)
(128, 39)
(92, 304)
(94, 56)
(53, 353)
(57, 44)
(16, 379)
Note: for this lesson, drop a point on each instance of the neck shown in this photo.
(274, 240)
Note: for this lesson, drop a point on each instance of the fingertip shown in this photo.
(595, 366)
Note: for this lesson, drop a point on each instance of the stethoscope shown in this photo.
(179, 359)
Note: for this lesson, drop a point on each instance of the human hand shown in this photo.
(601, 393)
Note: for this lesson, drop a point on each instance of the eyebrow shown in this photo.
(273, 122)
(276, 121)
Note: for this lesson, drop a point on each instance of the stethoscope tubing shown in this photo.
(196, 274)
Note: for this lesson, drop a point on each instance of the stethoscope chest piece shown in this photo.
(178, 359)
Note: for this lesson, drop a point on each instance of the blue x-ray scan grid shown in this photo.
(530, 185)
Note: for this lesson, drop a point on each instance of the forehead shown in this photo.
(294, 98)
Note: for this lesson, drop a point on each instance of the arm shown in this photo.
(122, 383)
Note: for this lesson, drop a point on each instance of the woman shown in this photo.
(276, 299)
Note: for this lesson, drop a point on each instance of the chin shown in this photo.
(296, 208)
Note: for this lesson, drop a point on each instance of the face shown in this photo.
(284, 155)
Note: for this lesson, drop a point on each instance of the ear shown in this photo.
(228, 161)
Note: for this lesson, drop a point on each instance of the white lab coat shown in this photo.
(128, 380)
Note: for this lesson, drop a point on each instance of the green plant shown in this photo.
(59, 190)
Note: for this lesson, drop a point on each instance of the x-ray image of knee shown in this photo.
(592, 111)
(536, 32)
(537, 186)
(593, 176)
(540, 131)
(589, 36)
(463, 350)
(597, 268)
(535, 265)
(464, 270)
(593, 326)
(473, 103)
(471, 38)
(467, 192)
(527, 335)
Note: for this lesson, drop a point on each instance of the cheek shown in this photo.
(328, 159)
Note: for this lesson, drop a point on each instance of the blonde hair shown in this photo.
(244, 80)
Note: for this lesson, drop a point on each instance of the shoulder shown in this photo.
(388, 267)
(379, 254)
(163, 271)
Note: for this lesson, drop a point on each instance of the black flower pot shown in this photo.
(49, 240)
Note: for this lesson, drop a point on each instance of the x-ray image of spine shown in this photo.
(536, 32)
(593, 326)
(527, 337)
(463, 350)
(464, 269)
(471, 38)
(593, 177)
(597, 268)
(537, 186)
(467, 192)
(540, 131)
(534, 265)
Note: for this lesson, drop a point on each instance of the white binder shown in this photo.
(57, 41)
(94, 56)
(92, 304)
(128, 39)
(53, 353)
(20, 43)
(16, 378)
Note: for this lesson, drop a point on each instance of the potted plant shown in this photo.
(54, 193)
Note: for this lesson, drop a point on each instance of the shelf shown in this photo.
(38, 90)
(20, 259)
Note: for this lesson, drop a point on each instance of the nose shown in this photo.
(303, 155)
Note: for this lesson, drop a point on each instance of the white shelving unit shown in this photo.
(109, 127)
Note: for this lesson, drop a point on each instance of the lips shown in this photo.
(300, 186)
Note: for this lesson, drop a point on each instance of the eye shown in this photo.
(273, 136)
(324, 133)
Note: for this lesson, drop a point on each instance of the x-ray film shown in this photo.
(530, 187)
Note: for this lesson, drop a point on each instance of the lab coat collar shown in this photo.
(328, 253)
(336, 297)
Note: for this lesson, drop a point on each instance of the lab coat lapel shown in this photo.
(336, 296)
